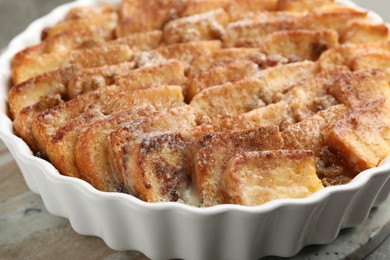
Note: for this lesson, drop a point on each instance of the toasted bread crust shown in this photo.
(48, 84)
(254, 178)
(218, 101)
(216, 149)
(302, 5)
(91, 150)
(362, 135)
(170, 120)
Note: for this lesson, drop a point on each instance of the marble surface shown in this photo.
(28, 230)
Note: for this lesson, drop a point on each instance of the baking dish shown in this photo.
(173, 230)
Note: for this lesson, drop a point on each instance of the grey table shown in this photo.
(27, 230)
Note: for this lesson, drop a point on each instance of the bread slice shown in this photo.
(254, 178)
(220, 101)
(85, 80)
(218, 75)
(124, 75)
(108, 100)
(59, 146)
(205, 26)
(23, 121)
(157, 171)
(221, 57)
(201, 6)
(104, 21)
(92, 150)
(252, 33)
(311, 134)
(300, 45)
(88, 58)
(277, 114)
(254, 30)
(216, 149)
(170, 72)
(357, 88)
(331, 20)
(345, 54)
(159, 165)
(302, 5)
(145, 15)
(88, 11)
(302, 100)
(187, 52)
(362, 135)
(31, 91)
(118, 148)
(312, 95)
(34, 66)
(101, 56)
(239, 8)
(53, 83)
(141, 41)
(359, 32)
(67, 41)
(372, 60)
(113, 91)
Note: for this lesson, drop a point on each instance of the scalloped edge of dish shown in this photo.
(165, 230)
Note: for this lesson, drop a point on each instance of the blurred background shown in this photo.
(382, 7)
(15, 15)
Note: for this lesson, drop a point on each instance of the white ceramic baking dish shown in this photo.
(173, 230)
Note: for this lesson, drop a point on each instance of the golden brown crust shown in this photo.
(170, 72)
(187, 52)
(254, 178)
(372, 60)
(88, 11)
(362, 135)
(198, 27)
(311, 134)
(252, 33)
(59, 147)
(299, 45)
(254, 30)
(202, 6)
(23, 121)
(302, 5)
(145, 15)
(48, 84)
(109, 100)
(86, 80)
(345, 54)
(358, 32)
(219, 101)
(218, 75)
(119, 140)
(91, 150)
(105, 21)
(239, 8)
(222, 57)
(157, 168)
(357, 88)
(34, 66)
(216, 149)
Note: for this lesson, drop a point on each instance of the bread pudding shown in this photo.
(207, 102)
